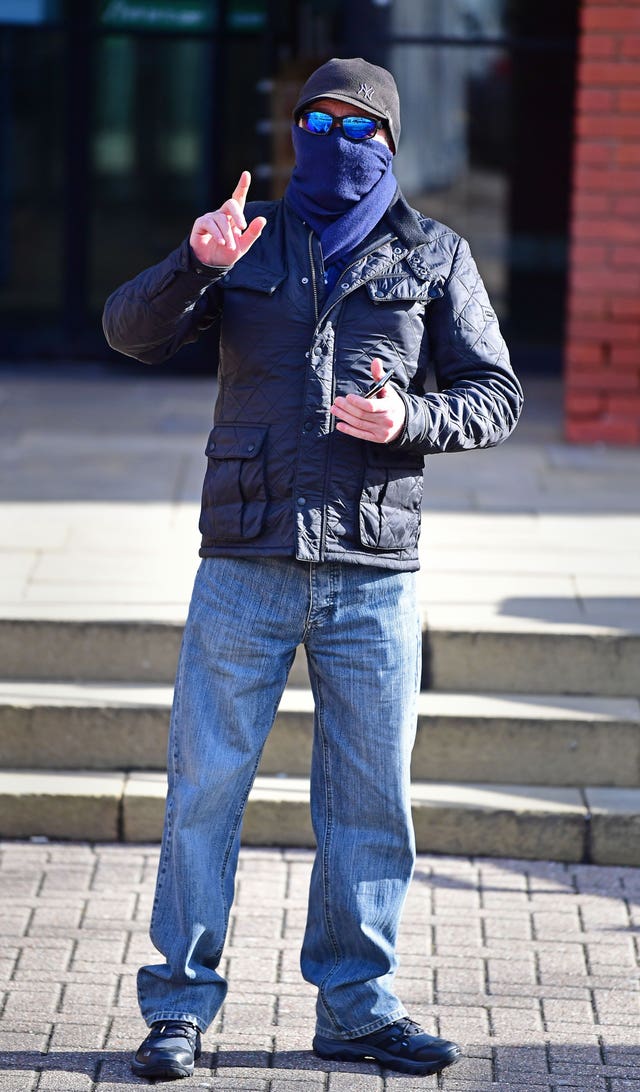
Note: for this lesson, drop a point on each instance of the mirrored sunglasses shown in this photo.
(354, 128)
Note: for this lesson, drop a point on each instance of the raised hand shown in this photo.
(222, 237)
(378, 419)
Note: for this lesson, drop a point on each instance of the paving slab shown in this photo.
(63, 1036)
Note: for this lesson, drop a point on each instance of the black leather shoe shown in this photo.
(402, 1046)
(169, 1051)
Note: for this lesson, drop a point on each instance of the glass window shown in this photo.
(28, 11)
(32, 165)
(167, 144)
(122, 120)
(486, 88)
(453, 161)
(148, 152)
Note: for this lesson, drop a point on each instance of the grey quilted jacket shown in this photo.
(281, 480)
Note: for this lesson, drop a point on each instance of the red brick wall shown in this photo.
(602, 358)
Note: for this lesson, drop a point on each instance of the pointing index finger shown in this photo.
(242, 189)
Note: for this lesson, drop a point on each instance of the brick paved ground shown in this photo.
(533, 966)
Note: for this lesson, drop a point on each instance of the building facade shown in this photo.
(122, 120)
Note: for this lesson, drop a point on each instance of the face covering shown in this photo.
(341, 188)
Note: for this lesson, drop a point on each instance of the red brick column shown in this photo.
(602, 358)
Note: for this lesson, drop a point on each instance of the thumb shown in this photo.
(377, 368)
(248, 237)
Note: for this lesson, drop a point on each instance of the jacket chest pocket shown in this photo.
(234, 495)
(391, 502)
(408, 282)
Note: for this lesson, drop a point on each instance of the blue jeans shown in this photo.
(361, 632)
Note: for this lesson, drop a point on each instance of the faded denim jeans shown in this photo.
(360, 628)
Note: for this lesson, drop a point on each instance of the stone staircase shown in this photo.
(528, 740)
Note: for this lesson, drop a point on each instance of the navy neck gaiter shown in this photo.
(341, 188)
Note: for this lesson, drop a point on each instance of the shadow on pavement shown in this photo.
(540, 1066)
(539, 878)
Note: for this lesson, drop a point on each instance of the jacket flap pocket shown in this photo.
(405, 286)
(390, 508)
(256, 278)
(235, 441)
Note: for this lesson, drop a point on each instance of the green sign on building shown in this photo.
(190, 15)
(159, 14)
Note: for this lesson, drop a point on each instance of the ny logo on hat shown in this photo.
(365, 90)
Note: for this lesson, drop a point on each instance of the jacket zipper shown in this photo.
(323, 516)
(313, 278)
(316, 306)
(332, 423)
(332, 428)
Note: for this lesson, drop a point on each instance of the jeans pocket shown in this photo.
(234, 495)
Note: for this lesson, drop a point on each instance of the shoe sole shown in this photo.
(354, 1053)
(162, 1072)
(166, 1072)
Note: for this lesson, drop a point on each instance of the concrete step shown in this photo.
(598, 825)
(476, 654)
(528, 739)
(550, 659)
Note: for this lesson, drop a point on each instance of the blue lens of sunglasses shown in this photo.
(356, 128)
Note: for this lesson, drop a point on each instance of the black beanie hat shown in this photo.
(354, 80)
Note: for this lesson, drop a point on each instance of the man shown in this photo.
(310, 522)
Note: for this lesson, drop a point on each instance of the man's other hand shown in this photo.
(221, 237)
(378, 419)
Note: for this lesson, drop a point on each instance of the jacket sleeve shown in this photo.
(163, 308)
(479, 398)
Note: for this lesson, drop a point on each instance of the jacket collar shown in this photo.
(404, 223)
(270, 262)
